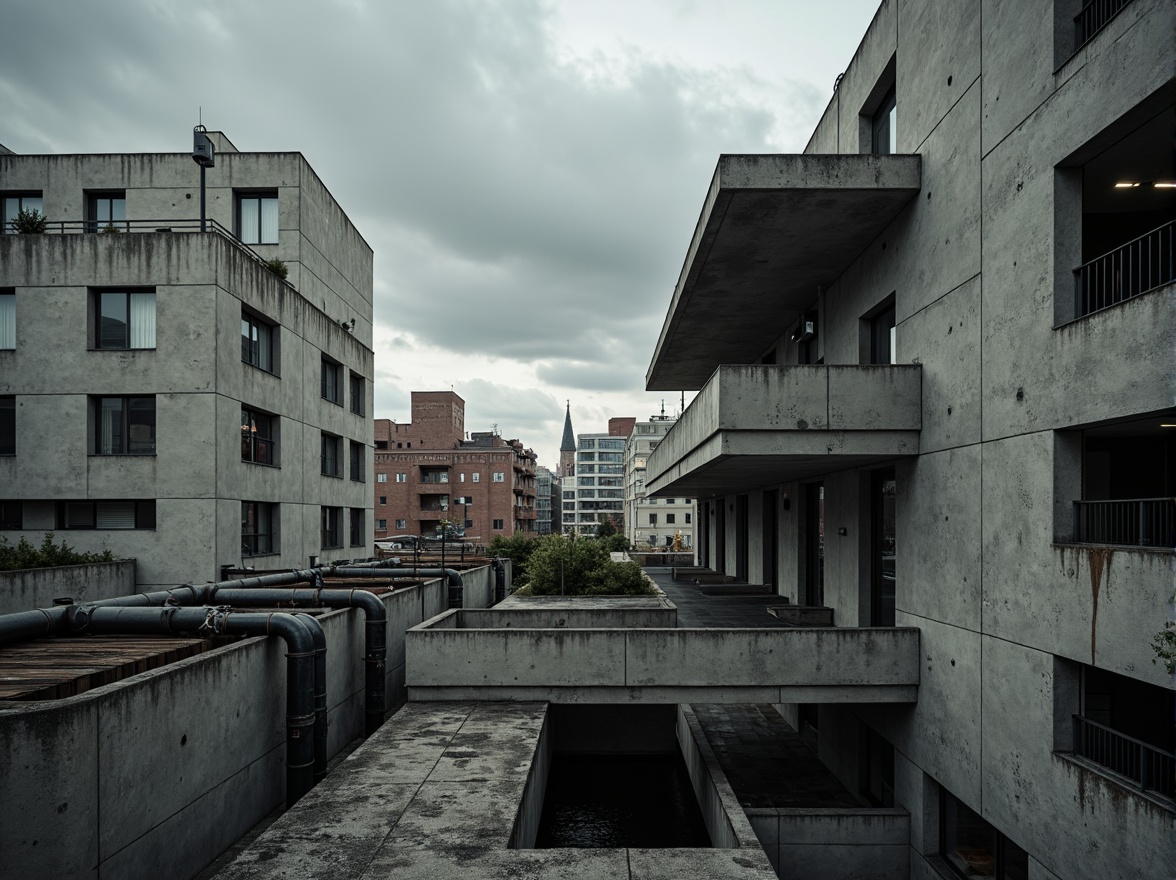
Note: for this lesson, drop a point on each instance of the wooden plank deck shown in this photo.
(52, 668)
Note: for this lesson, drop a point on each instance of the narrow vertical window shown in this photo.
(7, 320)
(885, 133)
(257, 218)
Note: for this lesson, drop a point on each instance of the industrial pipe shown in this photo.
(320, 693)
(375, 631)
(300, 656)
(353, 571)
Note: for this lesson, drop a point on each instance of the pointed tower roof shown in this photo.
(568, 444)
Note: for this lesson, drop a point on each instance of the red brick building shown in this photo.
(426, 468)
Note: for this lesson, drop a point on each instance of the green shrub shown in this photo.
(29, 221)
(576, 567)
(517, 548)
(278, 268)
(25, 555)
(616, 543)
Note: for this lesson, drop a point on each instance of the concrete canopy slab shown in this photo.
(773, 228)
(757, 425)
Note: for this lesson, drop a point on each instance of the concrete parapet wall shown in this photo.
(478, 589)
(157, 774)
(557, 618)
(29, 588)
(664, 665)
(831, 844)
(726, 822)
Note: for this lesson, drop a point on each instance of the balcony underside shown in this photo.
(773, 228)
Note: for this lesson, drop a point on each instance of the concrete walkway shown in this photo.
(696, 609)
(766, 761)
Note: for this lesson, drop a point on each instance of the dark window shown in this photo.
(497, 524)
(257, 218)
(972, 847)
(7, 426)
(14, 203)
(332, 449)
(106, 211)
(259, 443)
(10, 514)
(687, 519)
(670, 519)
(124, 319)
(106, 515)
(383, 499)
(814, 560)
(259, 521)
(7, 320)
(382, 525)
(331, 535)
(653, 519)
(257, 342)
(124, 426)
(882, 337)
(884, 550)
(357, 526)
(885, 136)
(357, 393)
(357, 457)
(332, 382)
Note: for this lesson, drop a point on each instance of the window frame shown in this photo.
(94, 198)
(270, 536)
(352, 379)
(355, 461)
(333, 441)
(331, 528)
(260, 196)
(145, 515)
(883, 124)
(334, 368)
(401, 524)
(11, 515)
(356, 516)
(7, 318)
(250, 344)
(125, 425)
(402, 478)
(96, 302)
(252, 439)
(19, 196)
(8, 425)
(498, 525)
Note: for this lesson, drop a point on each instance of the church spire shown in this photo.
(568, 444)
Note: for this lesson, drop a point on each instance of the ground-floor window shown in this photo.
(973, 848)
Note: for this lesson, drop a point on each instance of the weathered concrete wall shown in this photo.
(663, 665)
(478, 590)
(606, 617)
(831, 844)
(726, 822)
(31, 588)
(157, 774)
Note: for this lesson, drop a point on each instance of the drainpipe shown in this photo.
(300, 656)
(320, 693)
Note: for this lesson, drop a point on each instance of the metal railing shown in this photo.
(1136, 267)
(151, 226)
(1093, 18)
(1135, 522)
(1150, 768)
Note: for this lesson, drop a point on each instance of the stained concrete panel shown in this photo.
(928, 61)
(1048, 804)
(938, 509)
(861, 78)
(944, 337)
(1017, 73)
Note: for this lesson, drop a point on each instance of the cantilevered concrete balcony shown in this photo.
(756, 425)
(773, 228)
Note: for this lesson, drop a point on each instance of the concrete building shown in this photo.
(933, 357)
(653, 522)
(429, 472)
(202, 411)
(543, 497)
(596, 488)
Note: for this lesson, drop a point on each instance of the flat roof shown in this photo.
(773, 229)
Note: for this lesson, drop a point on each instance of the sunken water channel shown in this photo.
(618, 779)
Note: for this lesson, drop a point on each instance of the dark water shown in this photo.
(620, 801)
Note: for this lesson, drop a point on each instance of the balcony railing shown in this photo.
(187, 225)
(1093, 18)
(1134, 522)
(1138, 266)
(435, 478)
(1150, 768)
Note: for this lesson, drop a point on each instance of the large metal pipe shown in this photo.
(375, 631)
(320, 694)
(31, 624)
(351, 571)
(300, 656)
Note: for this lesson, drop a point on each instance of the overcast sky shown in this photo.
(528, 172)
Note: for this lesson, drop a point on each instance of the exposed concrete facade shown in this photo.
(37, 587)
(949, 497)
(186, 360)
